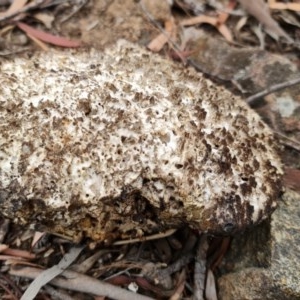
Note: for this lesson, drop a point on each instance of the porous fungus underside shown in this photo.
(125, 143)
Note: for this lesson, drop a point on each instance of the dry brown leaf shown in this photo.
(199, 20)
(180, 286)
(6, 29)
(261, 12)
(223, 16)
(49, 274)
(3, 247)
(158, 42)
(238, 27)
(14, 7)
(222, 28)
(280, 5)
(210, 288)
(170, 32)
(37, 236)
(46, 19)
(47, 37)
(19, 253)
(21, 262)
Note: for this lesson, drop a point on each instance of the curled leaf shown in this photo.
(47, 37)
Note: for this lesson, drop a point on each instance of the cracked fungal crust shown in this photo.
(127, 143)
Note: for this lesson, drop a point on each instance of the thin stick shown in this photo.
(272, 89)
(57, 294)
(288, 141)
(147, 238)
(200, 268)
(47, 275)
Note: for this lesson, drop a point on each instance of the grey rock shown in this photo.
(265, 263)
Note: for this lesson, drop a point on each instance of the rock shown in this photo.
(250, 69)
(265, 262)
(126, 143)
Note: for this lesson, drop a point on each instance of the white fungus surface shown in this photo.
(125, 143)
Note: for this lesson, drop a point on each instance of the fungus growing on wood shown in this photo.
(125, 143)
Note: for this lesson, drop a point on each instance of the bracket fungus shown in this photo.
(126, 143)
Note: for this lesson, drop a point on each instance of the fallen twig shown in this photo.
(57, 294)
(285, 140)
(47, 275)
(19, 253)
(81, 283)
(12, 285)
(147, 238)
(180, 286)
(4, 229)
(176, 266)
(84, 266)
(200, 268)
(272, 89)
(8, 291)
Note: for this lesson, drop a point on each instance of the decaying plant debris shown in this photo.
(124, 144)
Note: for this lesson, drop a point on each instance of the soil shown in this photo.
(110, 20)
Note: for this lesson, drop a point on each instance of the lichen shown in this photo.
(125, 143)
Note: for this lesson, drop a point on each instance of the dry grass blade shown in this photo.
(82, 283)
(51, 273)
